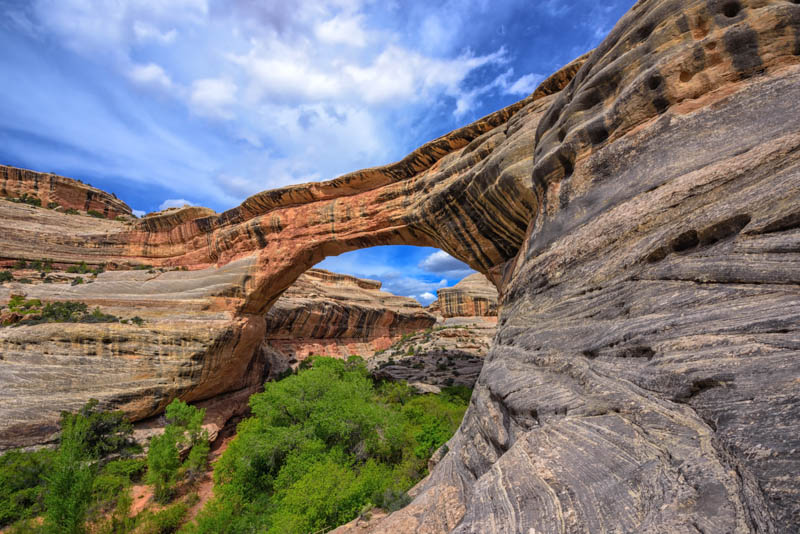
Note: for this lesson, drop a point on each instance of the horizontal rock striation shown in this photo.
(640, 217)
(644, 377)
(65, 192)
(330, 314)
(473, 296)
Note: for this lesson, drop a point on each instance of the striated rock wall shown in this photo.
(330, 314)
(641, 223)
(473, 296)
(65, 192)
(644, 377)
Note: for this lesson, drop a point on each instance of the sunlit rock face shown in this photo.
(639, 215)
(474, 296)
(330, 314)
(59, 192)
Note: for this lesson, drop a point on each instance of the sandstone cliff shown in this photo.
(640, 217)
(59, 192)
(331, 314)
(473, 296)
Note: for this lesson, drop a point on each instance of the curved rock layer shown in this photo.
(645, 376)
(330, 314)
(473, 296)
(66, 192)
(643, 227)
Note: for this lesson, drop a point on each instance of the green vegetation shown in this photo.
(66, 484)
(30, 200)
(34, 311)
(183, 430)
(52, 205)
(72, 211)
(6, 276)
(322, 446)
(96, 214)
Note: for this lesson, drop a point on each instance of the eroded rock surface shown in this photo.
(642, 224)
(473, 296)
(59, 192)
(330, 314)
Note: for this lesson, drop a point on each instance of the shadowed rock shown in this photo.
(642, 225)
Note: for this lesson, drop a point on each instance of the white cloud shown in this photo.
(148, 32)
(175, 203)
(213, 97)
(150, 75)
(426, 298)
(139, 213)
(525, 85)
(440, 262)
(342, 29)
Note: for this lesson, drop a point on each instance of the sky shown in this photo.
(206, 102)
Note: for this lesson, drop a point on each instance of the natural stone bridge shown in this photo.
(640, 214)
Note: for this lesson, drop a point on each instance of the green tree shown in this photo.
(163, 461)
(69, 483)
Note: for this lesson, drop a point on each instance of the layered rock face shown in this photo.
(65, 192)
(642, 223)
(330, 314)
(644, 377)
(473, 296)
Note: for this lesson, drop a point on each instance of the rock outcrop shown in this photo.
(60, 192)
(450, 354)
(640, 217)
(473, 296)
(330, 314)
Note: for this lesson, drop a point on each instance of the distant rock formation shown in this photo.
(473, 296)
(330, 314)
(59, 192)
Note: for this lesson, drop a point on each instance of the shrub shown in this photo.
(21, 264)
(184, 429)
(324, 445)
(106, 433)
(69, 482)
(22, 484)
(53, 205)
(81, 268)
(165, 521)
(6, 276)
(96, 214)
(72, 211)
(78, 280)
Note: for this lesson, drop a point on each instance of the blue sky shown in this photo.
(166, 102)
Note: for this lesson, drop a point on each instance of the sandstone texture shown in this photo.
(65, 192)
(330, 314)
(640, 217)
(473, 296)
(450, 354)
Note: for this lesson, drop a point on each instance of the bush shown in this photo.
(22, 484)
(21, 264)
(69, 482)
(107, 432)
(6, 276)
(25, 281)
(72, 211)
(96, 214)
(184, 429)
(165, 521)
(78, 280)
(81, 268)
(322, 446)
(53, 205)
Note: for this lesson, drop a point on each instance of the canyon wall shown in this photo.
(473, 296)
(639, 214)
(330, 314)
(66, 193)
